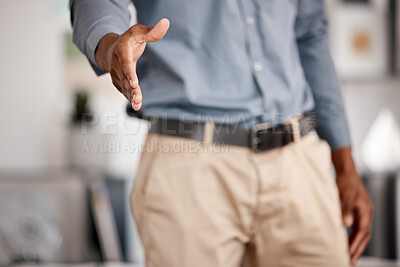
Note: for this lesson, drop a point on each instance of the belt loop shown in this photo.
(208, 136)
(295, 125)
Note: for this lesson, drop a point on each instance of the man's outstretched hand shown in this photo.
(356, 204)
(118, 55)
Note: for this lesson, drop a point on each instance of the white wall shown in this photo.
(36, 86)
(30, 84)
(36, 90)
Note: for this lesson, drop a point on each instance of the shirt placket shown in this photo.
(256, 59)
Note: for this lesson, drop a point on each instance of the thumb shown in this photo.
(157, 32)
(348, 219)
(348, 209)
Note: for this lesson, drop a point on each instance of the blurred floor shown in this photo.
(376, 262)
(363, 262)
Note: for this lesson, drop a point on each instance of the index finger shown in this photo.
(361, 228)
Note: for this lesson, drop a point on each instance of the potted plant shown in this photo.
(86, 140)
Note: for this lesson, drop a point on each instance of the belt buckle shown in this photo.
(255, 140)
(294, 123)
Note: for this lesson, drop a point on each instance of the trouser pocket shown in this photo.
(143, 175)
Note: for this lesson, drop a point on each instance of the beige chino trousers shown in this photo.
(199, 204)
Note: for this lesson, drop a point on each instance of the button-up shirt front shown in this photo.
(231, 61)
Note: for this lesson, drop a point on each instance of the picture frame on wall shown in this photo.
(395, 32)
(359, 39)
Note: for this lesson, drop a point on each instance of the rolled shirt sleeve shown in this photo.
(93, 19)
(312, 40)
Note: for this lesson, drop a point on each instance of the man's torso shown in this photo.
(227, 61)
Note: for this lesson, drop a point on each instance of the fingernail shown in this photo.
(133, 99)
(348, 220)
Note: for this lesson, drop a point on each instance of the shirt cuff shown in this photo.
(335, 132)
(96, 33)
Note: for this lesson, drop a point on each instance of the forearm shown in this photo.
(343, 162)
(93, 19)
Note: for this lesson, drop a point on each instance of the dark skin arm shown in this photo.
(356, 204)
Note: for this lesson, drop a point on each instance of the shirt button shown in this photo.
(250, 21)
(258, 66)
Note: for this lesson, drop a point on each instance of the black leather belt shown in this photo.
(261, 137)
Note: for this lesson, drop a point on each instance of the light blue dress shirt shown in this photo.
(231, 61)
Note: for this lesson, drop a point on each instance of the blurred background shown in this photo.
(69, 152)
